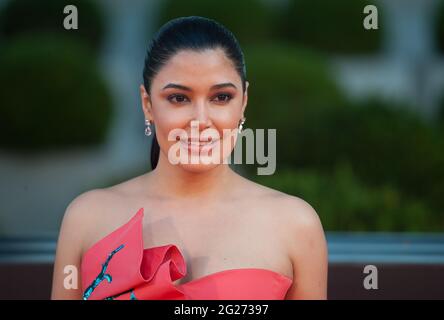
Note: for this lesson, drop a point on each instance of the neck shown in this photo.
(178, 183)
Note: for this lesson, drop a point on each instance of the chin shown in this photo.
(198, 168)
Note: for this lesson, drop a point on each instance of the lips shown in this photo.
(193, 144)
(198, 143)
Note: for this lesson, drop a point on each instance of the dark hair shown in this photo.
(195, 33)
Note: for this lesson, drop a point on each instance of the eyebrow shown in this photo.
(182, 87)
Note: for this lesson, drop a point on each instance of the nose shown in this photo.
(202, 115)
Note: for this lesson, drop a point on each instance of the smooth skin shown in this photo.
(217, 218)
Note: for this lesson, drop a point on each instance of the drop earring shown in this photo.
(242, 124)
(148, 127)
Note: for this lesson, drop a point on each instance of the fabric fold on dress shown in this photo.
(118, 267)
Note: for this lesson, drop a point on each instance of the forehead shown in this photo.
(197, 69)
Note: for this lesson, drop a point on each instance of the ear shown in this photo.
(146, 103)
(245, 98)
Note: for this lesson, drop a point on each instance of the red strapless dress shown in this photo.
(118, 267)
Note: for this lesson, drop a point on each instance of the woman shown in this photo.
(191, 230)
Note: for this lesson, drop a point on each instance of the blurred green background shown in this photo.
(365, 162)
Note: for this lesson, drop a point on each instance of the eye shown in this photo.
(177, 98)
(223, 97)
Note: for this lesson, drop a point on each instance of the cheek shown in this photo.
(227, 120)
(226, 126)
(227, 117)
(166, 120)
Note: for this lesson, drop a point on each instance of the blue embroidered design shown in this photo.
(132, 296)
(102, 275)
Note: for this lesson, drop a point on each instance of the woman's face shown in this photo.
(196, 92)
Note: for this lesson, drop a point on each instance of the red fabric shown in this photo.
(149, 273)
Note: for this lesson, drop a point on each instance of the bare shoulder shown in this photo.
(296, 212)
(76, 224)
(301, 219)
(84, 210)
(300, 228)
(84, 206)
(295, 218)
(97, 212)
(306, 246)
(92, 205)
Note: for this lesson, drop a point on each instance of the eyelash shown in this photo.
(171, 97)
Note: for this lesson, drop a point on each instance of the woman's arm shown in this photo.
(66, 282)
(308, 253)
